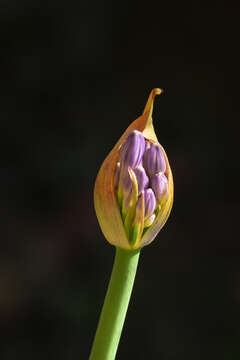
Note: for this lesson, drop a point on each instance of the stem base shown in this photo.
(115, 305)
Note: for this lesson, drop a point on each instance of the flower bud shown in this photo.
(142, 178)
(130, 155)
(132, 150)
(149, 202)
(159, 184)
(153, 159)
(133, 192)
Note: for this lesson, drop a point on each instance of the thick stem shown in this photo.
(115, 305)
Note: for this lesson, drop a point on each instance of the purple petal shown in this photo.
(159, 184)
(149, 202)
(148, 145)
(142, 178)
(153, 160)
(132, 150)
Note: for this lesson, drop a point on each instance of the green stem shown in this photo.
(115, 305)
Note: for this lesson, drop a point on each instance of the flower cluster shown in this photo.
(141, 183)
(133, 193)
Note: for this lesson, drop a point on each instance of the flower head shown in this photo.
(133, 192)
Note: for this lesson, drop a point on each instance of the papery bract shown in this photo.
(125, 229)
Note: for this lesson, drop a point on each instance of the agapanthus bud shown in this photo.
(159, 184)
(154, 160)
(142, 178)
(149, 202)
(130, 155)
(133, 192)
(132, 150)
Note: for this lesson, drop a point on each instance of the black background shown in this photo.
(74, 75)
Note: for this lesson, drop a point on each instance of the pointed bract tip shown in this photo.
(149, 104)
(157, 91)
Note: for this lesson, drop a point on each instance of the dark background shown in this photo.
(74, 75)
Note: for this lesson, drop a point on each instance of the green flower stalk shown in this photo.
(133, 197)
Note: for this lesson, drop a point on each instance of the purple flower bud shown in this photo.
(132, 150)
(154, 160)
(130, 192)
(142, 178)
(149, 202)
(159, 184)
